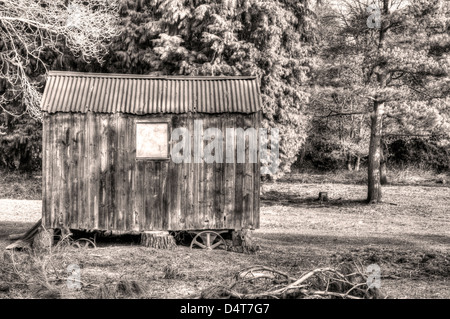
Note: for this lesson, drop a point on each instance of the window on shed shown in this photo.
(152, 140)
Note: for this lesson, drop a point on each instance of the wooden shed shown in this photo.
(107, 149)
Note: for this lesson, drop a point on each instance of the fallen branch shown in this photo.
(16, 236)
(345, 282)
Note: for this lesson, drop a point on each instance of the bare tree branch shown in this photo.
(29, 28)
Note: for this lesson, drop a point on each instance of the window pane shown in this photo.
(152, 140)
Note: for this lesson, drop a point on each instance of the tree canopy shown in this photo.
(392, 57)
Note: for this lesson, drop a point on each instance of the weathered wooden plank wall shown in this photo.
(92, 179)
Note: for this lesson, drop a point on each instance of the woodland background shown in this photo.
(314, 81)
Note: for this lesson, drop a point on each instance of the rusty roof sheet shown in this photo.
(140, 94)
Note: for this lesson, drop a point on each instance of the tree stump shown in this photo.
(323, 196)
(243, 241)
(158, 240)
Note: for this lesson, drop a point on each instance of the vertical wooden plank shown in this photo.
(112, 156)
(103, 158)
(46, 177)
(239, 186)
(157, 195)
(200, 183)
(248, 182)
(80, 169)
(87, 176)
(174, 183)
(229, 173)
(180, 181)
(93, 161)
(165, 196)
(120, 174)
(139, 202)
(67, 162)
(219, 182)
(57, 172)
(149, 194)
(126, 175)
(257, 176)
(132, 174)
(208, 221)
(74, 170)
(191, 204)
(129, 170)
(155, 201)
(98, 164)
(176, 180)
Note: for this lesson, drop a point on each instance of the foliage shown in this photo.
(268, 39)
(36, 34)
(420, 153)
(31, 30)
(20, 143)
(396, 71)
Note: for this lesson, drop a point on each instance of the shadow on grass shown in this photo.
(272, 198)
(8, 228)
(331, 242)
(440, 239)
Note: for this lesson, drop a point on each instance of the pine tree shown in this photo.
(396, 57)
(269, 39)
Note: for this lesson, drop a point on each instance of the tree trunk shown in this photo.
(349, 162)
(376, 118)
(374, 185)
(383, 168)
(301, 157)
(158, 240)
(357, 163)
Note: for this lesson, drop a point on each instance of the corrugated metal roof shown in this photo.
(139, 94)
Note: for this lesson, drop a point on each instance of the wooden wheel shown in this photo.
(208, 240)
(84, 243)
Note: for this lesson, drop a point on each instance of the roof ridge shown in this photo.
(146, 76)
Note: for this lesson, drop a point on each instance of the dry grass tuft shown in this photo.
(118, 290)
(172, 272)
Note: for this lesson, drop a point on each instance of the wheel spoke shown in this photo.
(196, 242)
(217, 244)
(208, 240)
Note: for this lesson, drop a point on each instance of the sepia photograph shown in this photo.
(228, 157)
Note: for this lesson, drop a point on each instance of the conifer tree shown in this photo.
(268, 39)
(395, 56)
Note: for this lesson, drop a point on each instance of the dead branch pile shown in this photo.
(347, 281)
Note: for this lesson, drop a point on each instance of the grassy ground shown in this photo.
(408, 236)
(16, 185)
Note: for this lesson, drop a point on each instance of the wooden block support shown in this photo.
(158, 240)
(43, 240)
(243, 241)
